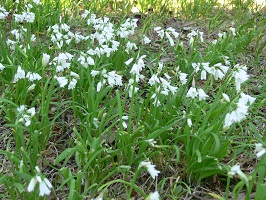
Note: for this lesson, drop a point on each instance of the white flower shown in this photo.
(226, 97)
(45, 187)
(129, 61)
(74, 74)
(31, 111)
(196, 66)
(203, 75)
(32, 183)
(44, 183)
(146, 40)
(233, 30)
(151, 168)
(37, 2)
(21, 108)
(94, 73)
(240, 75)
(236, 170)
(159, 31)
(153, 196)
(189, 122)
(2, 67)
(130, 46)
(200, 36)
(31, 76)
(259, 150)
(62, 81)
(182, 78)
(29, 16)
(84, 14)
(202, 94)
(45, 59)
(90, 60)
(151, 142)
(31, 87)
(192, 93)
(131, 88)
(96, 122)
(3, 13)
(20, 74)
(246, 99)
(236, 115)
(72, 84)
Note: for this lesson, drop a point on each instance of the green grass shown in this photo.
(113, 116)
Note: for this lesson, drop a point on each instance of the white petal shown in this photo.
(32, 184)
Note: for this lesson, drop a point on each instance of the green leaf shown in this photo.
(216, 196)
(66, 153)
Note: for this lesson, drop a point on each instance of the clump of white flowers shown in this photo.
(218, 70)
(44, 184)
(240, 75)
(194, 93)
(3, 13)
(21, 74)
(63, 81)
(167, 33)
(194, 34)
(25, 16)
(240, 112)
(25, 115)
(112, 78)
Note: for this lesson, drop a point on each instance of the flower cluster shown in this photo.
(21, 74)
(194, 93)
(167, 33)
(218, 70)
(112, 78)
(61, 34)
(44, 184)
(194, 34)
(25, 115)
(63, 81)
(241, 111)
(25, 16)
(240, 75)
(3, 13)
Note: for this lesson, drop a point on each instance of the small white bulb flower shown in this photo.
(146, 40)
(151, 168)
(45, 59)
(153, 196)
(236, 170)
(192, 93)
(259, 150)
(189, 122)
(44, 184)
(226, 97)
(2, 67)
(202, 94)
(62, 81)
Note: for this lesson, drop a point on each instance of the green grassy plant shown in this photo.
(98, 107)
